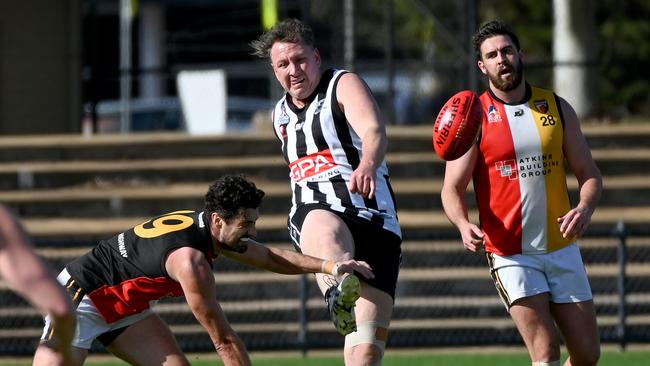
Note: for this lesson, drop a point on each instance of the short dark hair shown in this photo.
(289, 30)
(230, 194)
(491, 29)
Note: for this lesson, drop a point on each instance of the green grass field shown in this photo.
(402, 358)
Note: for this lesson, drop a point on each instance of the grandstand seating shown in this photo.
(73, 190)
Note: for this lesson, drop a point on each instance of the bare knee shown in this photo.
(366, 345)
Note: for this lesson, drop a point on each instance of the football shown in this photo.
(457, 125)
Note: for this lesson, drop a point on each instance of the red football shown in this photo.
(457, 125)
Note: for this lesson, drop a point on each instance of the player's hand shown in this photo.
(473, 237)
(360, 267)
(363, 181)
(575, 222)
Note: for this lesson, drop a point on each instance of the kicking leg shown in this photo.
(325, 235)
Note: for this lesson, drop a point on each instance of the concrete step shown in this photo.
(418, 138)
(127, 199)
(52, 174)
(416, 225)
(617, 136)
(142, 199)
(56, 174)
(177, 145)
(156, 145)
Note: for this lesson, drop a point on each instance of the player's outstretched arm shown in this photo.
(28, 275)
(289, 262)
(189, 267)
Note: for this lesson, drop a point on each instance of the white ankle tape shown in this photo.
(369, 332)
(551, 363)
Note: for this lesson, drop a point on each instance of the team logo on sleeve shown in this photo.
(493, 114)
(541, 105)
(283, 121)
(315, 167)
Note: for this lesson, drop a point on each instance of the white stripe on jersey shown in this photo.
(317, 144)
(533, 211)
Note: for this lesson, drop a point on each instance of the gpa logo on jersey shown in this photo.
(493, 114)
(541, 105)
(507, 168)
(313, 167)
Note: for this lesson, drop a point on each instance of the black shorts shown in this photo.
(380, 248)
